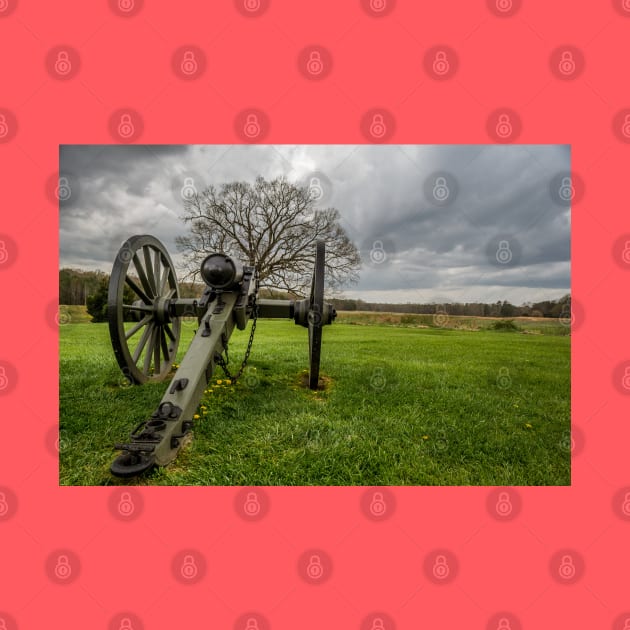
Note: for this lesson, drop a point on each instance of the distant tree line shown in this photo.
(90, 288)
(76, 286)
(546, 308)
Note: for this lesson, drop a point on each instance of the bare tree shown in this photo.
(270, 224)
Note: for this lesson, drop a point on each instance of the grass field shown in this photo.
(404, 405)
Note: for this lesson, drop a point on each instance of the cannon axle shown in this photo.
(146, 350)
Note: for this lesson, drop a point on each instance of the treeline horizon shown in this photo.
(76, 286)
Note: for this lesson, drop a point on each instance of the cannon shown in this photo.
(146, 348)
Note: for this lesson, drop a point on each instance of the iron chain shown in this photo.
(223, 362)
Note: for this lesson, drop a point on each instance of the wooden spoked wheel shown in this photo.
(315, 316)
(146, 348)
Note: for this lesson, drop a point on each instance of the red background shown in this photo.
(505, 569)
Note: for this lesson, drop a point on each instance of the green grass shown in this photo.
(404, 405)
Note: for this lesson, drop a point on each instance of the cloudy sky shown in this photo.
(432, 223)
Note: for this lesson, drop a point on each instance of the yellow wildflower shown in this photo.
(196, 416)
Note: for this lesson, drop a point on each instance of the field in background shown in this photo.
(404, 405)
(536, 325)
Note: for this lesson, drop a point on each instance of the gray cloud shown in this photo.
(432, 249)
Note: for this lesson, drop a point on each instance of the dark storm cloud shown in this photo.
(384, 195)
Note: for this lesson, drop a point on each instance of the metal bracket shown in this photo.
(178, 385)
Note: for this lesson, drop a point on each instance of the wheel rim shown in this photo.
(315, 315)
(145, 349)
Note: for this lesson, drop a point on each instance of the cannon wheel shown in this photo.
(146, 350)
(315, 315)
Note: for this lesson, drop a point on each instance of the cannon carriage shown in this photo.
(146, 349)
